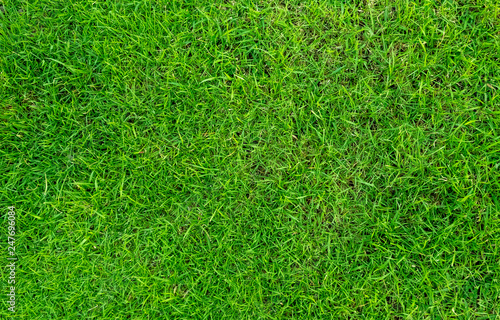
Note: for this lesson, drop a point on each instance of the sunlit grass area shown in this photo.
(251, 159)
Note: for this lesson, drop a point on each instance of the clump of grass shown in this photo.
(252, 160)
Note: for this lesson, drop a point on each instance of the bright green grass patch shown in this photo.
(251, 160)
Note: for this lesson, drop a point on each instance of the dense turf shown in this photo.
(252, 160)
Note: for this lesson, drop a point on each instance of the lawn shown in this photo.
(280, 159)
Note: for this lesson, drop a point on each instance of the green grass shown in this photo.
(282, 159)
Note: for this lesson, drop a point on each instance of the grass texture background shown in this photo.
(243, 159)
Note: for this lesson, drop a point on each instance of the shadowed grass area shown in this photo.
(252, 159)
